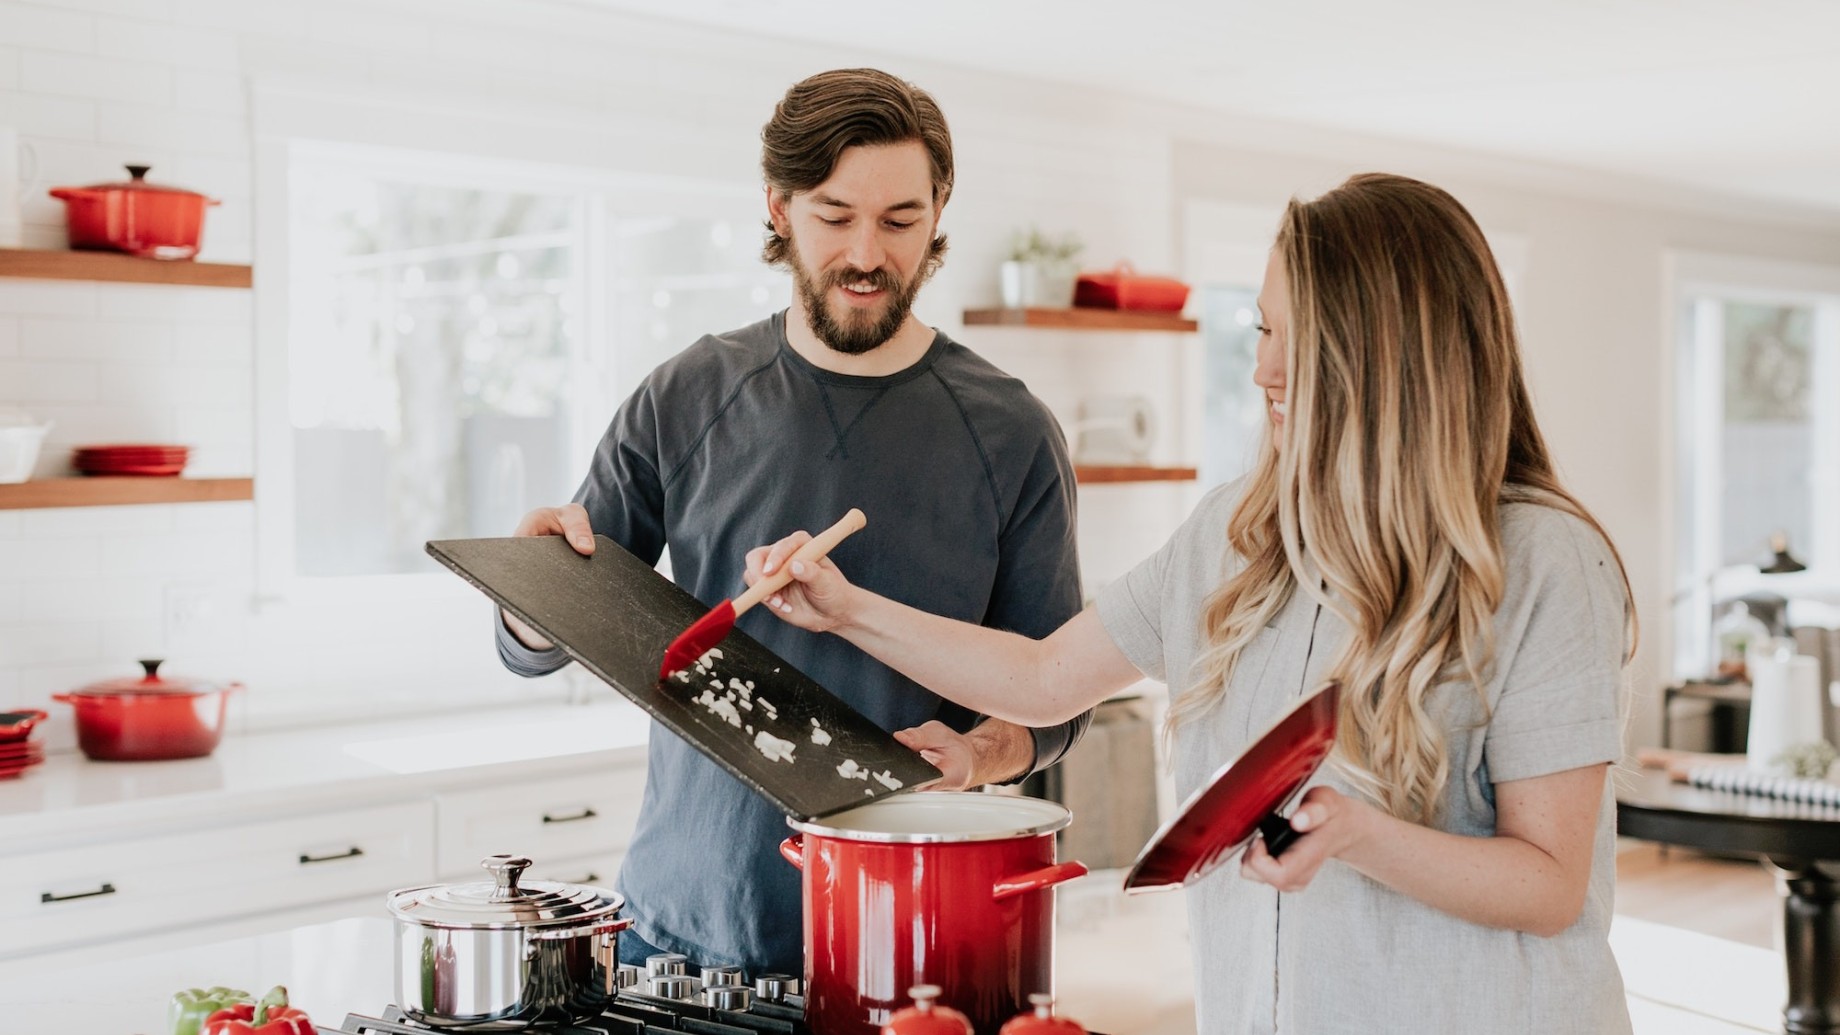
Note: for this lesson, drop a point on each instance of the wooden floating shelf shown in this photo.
(1114, 475)
(122, 491)
(109, 266)
(1078, 319)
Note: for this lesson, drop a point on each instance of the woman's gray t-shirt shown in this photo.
(1348, 954)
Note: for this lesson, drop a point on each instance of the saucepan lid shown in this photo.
(505, 901)
(1219, 819)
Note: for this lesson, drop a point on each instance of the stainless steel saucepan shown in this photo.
(501, 955)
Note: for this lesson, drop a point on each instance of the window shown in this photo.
(456, 344)
(1758, 441)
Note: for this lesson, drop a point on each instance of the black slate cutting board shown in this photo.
(614, 614)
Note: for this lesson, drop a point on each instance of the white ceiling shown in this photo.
(1735, 96)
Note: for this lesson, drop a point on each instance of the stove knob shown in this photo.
(729, 997)
(667, 963)
(775, 988)
(673, 986)
(628, 976)
(713, 976)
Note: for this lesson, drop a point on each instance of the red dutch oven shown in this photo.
(139, 720)
(136, 217)
(936, 888)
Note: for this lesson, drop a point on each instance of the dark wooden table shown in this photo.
(1795, 840)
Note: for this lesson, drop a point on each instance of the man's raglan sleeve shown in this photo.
(1038, 574)
(623, 494)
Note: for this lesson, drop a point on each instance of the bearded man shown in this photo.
(845, 399)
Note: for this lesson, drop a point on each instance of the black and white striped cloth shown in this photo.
(1740, 780)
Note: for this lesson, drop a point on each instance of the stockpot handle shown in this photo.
(1036, 880)
(793, 849)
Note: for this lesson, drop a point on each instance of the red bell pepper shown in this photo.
(271, 1016)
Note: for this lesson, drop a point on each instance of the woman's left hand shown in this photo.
(1330, 823)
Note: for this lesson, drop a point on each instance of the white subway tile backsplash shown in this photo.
(221, 92)
(47, 298)
(82, 522)
(98, 423)
(274, 17)
(49, 643)
(9, 524)
(215, 518)
(188, 555)
(75, 163)
(112, 79)
(174, 304)
(101, 599)
(140, 341)
(151, 10)
(47, 28)
(170, 384)
(143, 125)
(39, 115)
(41, 559)
(183, 46)
(27, 382)
(221, 345)
(9, 68)
(11, 612)
(221, 437)
(134, 638)
(9, 338)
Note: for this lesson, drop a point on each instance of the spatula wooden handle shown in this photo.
(822, 543)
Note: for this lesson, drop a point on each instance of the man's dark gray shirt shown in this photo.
(739, 441)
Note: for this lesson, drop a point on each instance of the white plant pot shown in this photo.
(1030, 285)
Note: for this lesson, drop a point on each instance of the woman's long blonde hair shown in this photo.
(1408, 425)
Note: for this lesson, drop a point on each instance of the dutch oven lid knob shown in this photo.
(1042, 1021)
(138, 172)
(152, 668)
(925, 1017)
(506, 869)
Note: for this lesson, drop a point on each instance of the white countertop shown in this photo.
(70, 795)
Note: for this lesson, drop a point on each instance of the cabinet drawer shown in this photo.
(586, 816)
(81, 894)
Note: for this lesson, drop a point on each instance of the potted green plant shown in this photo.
(1040, 270)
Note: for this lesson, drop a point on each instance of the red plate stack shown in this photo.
(154, 460)
(17, 752)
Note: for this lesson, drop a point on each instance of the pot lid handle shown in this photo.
(138, 172)
(505, 870)
(152, 665)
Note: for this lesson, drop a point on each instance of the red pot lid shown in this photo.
(1041, 1020)
(138, 182)
(151, 683)
(926, 1017)
(1220, 819)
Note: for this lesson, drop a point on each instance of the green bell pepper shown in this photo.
(187, 1010)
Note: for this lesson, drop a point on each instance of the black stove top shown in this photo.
(631, 1013)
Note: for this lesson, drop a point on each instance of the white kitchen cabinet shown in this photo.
(54, 898)
(588, 816)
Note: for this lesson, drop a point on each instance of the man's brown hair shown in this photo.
(821, 117)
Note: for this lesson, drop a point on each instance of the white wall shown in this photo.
(92, 84)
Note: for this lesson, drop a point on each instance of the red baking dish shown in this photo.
(1125, 288)
(1243, 797)
(137, 217)
(137, 720)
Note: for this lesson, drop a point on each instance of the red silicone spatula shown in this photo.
(710, 629)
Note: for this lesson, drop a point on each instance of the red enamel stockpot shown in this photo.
(150, 717)
(937, 888)
(136, 217)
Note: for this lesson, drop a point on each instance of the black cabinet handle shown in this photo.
(586, 813)
(352, 854)
(46, 896)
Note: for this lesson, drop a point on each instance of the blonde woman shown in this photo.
(1404, 532)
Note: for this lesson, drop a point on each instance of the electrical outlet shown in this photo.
(191, 609)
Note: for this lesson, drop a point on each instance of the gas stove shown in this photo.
(630, 1013)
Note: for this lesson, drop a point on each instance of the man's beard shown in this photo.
(856, 333)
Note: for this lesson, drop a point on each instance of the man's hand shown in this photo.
(569, 520)
(993, 752)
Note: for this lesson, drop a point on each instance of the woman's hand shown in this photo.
(1331, 824)
(818, 598)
